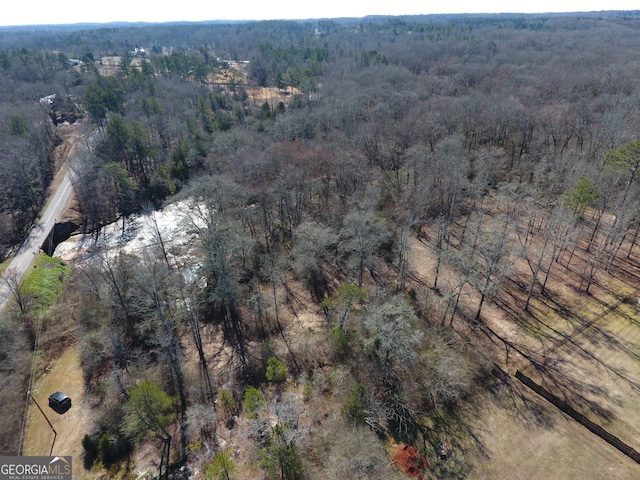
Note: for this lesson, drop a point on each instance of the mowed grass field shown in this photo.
(589, 351)
(597, 372)
(583, 348)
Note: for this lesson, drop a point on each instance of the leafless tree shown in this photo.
(392, 334)
(213, 216)
(313, 252)
(362, 239)
(493, 256)
(12, 280)
(158, 299)
(551, 230)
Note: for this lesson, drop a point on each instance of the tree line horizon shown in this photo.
(491, 139)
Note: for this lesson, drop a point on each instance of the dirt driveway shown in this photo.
(65, 375)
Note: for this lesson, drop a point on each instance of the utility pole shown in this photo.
(55, 434)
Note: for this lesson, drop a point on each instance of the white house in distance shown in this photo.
(139, 52)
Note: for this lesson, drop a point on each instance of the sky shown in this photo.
(44, 12)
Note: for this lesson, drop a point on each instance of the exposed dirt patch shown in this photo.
(110, 66)
(273, 96)
(409, 461)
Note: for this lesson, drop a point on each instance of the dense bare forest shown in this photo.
(386, 216)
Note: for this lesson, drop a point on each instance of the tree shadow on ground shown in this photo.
(550, 371)
(592, 333)
(510, 396)
(551, 363)
(462, 430)
(447, 425)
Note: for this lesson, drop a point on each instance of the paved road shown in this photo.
(22, 260)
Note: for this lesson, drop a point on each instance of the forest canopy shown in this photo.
(312, 160)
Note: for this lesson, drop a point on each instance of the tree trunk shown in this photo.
(482, 298)
(537, 270)
(595, 229)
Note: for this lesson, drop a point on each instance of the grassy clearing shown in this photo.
(4, 265)
(522, 437)
(582, 347)
(45, 280)
(586, 350)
